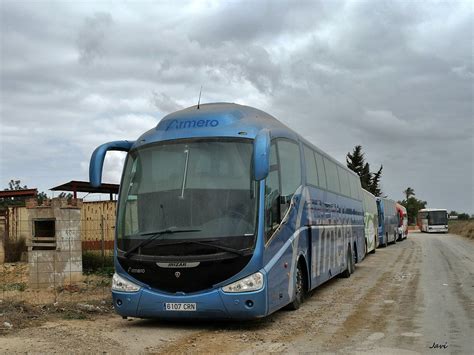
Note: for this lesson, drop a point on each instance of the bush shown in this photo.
(13, 250)
(16, 286)
(95, 263)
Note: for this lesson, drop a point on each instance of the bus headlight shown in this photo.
(123, 285)
(253, 282)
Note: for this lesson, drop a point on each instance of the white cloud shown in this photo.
(394, 76)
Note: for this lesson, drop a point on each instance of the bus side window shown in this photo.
(290, 167)
(321, 170)
(344, 180)
(311, 171)
(355, 187)
(272, 195)
(332, 176)
(290, 171)
(281, 183)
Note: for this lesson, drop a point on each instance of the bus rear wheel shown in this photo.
(299, 289)
(350, 264)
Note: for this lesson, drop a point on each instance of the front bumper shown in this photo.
(434, 229)
(149, 303)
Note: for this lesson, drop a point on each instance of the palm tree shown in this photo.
(409, 192)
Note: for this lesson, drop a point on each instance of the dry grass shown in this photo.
(22, 306)
(15, 315)
(463, 228)
(14, 287)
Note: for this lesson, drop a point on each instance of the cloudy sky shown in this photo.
(395, 77)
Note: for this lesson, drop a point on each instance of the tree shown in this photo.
(15, 185)
(409, 192)
(375, 182)
(355, 161)
(67, 196)
(463, 216)
(366, 176)
(369, 181)
(413, 205)
(41, 197)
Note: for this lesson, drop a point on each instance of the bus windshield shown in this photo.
(437, 218)
(201, 188)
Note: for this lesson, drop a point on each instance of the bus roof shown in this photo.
(432, 210)
(221, 120)
(385, 199)
(215, 120)
(368, 193)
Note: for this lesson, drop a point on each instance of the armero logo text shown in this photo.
(175, 124)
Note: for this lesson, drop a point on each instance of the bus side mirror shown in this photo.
(261, 155)
(97, 159)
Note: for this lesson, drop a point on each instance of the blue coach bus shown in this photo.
(388, 221)
(224, 212)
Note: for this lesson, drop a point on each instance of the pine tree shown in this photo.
(355, 161)
(369, 181)
(366, 176)
(375, 182)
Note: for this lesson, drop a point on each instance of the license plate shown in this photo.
(188, 307)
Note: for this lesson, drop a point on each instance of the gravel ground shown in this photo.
(413, 297)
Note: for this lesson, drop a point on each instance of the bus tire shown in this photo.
(299, 289)
(356, 254)
(350, 264)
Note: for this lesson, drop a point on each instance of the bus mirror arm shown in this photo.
(97, 159)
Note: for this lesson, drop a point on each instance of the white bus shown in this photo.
(432, 220)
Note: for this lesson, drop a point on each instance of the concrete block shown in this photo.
(53, 267)
(68, 256)
(54, 279)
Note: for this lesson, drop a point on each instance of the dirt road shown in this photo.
(413, 297)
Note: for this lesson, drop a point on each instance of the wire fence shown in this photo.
(45, 260)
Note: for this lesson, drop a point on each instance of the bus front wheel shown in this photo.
(299, 289)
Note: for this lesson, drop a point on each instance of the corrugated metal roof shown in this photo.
(85, 186)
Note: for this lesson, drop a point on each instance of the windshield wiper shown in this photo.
(156, 235)
(207, 244)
